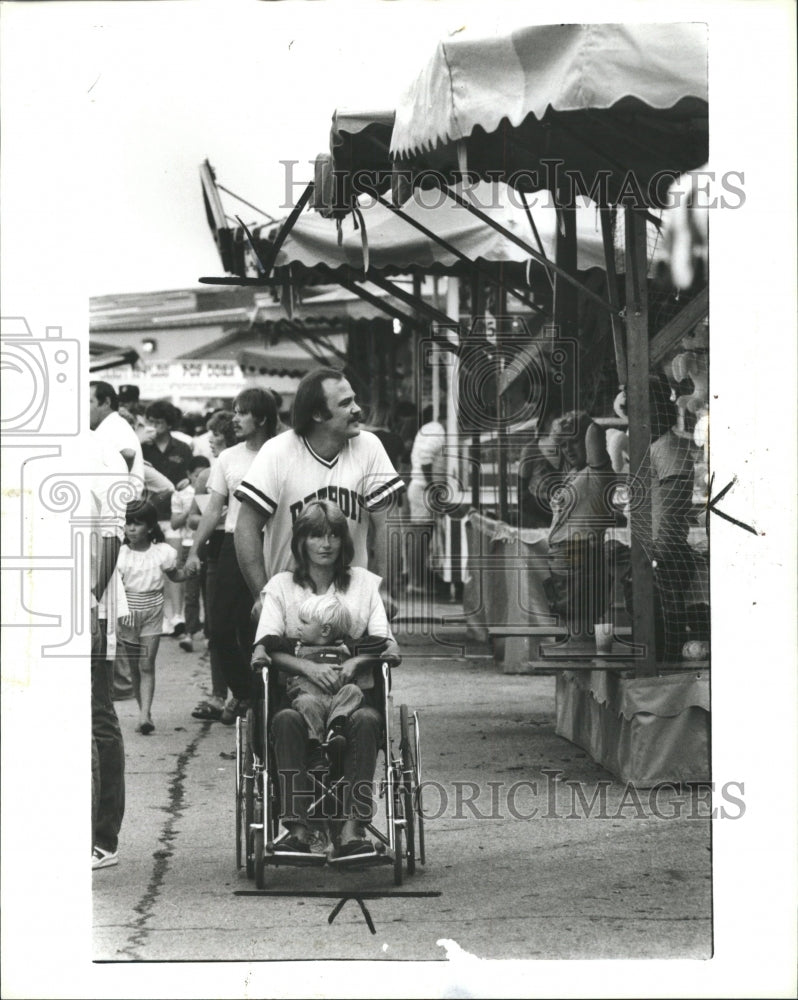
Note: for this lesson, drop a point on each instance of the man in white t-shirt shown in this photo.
(111, 428)
(231, 634)
(325, 456)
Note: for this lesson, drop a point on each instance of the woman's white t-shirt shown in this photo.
(145, 571)
(282, 599)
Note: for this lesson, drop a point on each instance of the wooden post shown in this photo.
(612, 295)
(566, 295)
(637, 394)
(452, 572)
(501, 436)
(477, 310)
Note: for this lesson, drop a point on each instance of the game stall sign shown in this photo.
(179, 380)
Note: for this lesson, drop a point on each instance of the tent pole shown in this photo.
(477, 310)
(525, 246)
(639, 438)
(612, 294)
(501, 436)
(452, 404)
(565, 297)
(374, 300)
(473, 265)
(285, 229)
(393, 289)
(670, 335)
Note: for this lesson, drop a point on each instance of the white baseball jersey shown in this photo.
(287, 474)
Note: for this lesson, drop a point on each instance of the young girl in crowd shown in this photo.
(145, 561)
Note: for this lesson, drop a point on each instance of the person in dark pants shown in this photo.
(232, 631)
(323, 551)
(582, 512)
(107, 756)
(107, 746)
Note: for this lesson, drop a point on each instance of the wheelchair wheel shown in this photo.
(258, 850)
(248, 810)
(406, 787)
(419, 807)
(398, 871)
(240, 827)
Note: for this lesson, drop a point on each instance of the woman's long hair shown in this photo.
(320, 517)
(143, 512)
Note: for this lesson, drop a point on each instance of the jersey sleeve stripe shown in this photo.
(384, 490)
(250, 494)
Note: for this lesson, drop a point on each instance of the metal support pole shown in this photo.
(501, 436)
(450, 573)
(565, 295)
(637, 395)
(525, 246)
(477, 309)
(612, 295)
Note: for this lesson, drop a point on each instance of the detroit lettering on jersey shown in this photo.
(287, 474)
(350, 501)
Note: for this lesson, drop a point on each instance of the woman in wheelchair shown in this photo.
(326, 687)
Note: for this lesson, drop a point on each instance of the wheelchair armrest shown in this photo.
(391, 659)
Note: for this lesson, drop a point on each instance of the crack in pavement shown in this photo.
(146, 905)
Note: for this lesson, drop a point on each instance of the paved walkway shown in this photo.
(519, 865)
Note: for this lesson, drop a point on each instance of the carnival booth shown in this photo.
(390, 256)
(616, 111)
(609, 112)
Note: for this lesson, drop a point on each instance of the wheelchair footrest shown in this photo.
(294, 859)
(361, 861)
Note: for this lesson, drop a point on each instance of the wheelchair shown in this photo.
(400, 843)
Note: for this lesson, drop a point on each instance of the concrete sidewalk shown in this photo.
(520, 864)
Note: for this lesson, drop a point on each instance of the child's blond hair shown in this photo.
(328, 610)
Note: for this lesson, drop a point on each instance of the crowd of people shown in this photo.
(210, 539)
(574, 483)
(232, 530)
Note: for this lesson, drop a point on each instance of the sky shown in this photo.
(150, 90)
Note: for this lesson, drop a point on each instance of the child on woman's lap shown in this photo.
(324, 622)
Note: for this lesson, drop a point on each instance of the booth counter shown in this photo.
(644, 730)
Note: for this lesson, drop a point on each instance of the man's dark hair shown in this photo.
(103, 391)
(162, 409)
(199, 462)
(128, 394)
(310, 399)
(260, 404)
(427, 415)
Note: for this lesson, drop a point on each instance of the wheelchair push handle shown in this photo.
(260, 659)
